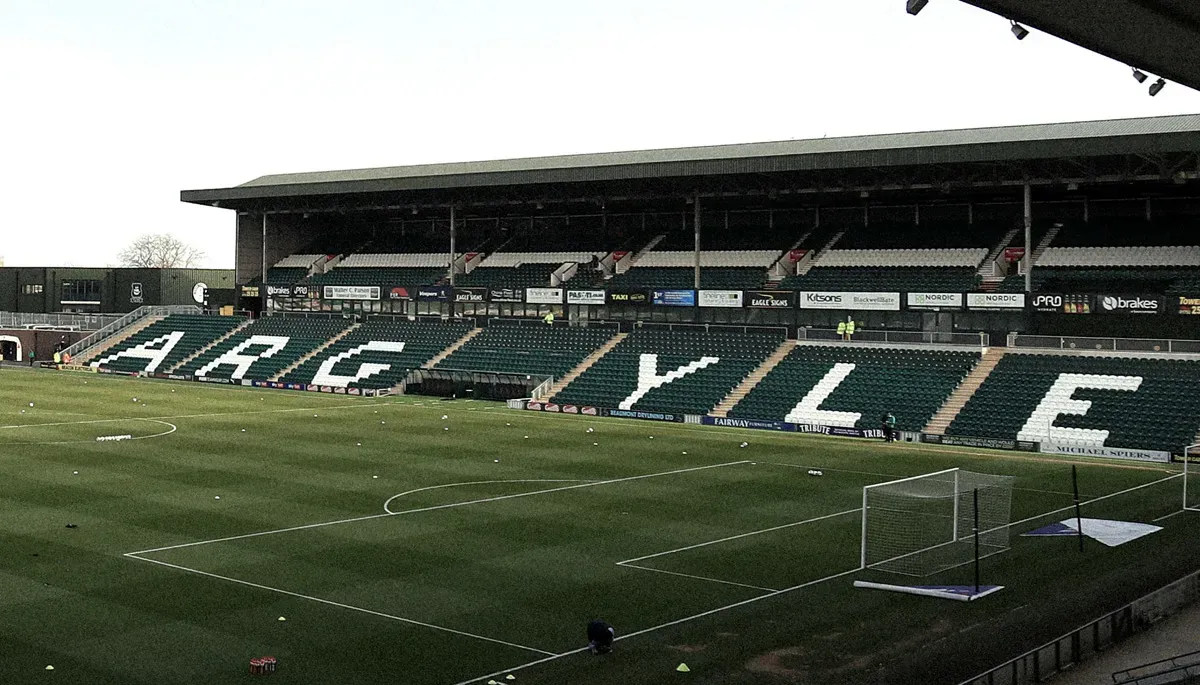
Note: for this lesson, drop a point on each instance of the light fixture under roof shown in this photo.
(1019, 31)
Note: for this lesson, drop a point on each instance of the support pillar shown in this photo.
(1028, 238)
(696, 222)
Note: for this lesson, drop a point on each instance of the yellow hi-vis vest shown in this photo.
(850, 327)
(841, 328)
(549, 318)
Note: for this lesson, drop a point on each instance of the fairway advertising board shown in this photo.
(279, 291)
(757, 424)
(399, 293)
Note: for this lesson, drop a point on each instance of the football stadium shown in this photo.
(900, 408)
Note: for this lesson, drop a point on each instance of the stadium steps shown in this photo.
(452, 349)
(305, 357)
(756, 376)
(958, 399)
(986, 269)
(1046, 241)
(808, 265)
(95, 351)
(583, 366)
(188, 359)
(991, 284)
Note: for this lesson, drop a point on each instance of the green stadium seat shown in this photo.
(194, 331)
(530, 349)
(1162, 413)
(614, 378)
(910, 383)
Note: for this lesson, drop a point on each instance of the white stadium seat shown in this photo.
(941, 257)
(1120, 256)
(731, 258)
(438, 260)
(519, 258)
(298, 260)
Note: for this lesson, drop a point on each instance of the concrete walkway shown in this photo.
(1173, 636)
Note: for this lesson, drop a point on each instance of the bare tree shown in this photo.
(160, 251)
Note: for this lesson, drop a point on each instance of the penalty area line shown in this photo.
(340, 605)
(668, 624)
(451, 505)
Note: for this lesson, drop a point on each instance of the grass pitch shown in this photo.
(501, 537)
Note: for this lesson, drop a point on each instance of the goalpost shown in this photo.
(1191, 491)
(926, 524)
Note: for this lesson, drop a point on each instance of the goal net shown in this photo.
(1191, 478)
(925, 524)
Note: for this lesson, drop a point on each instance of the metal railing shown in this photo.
(710, 327)
(1068, 650)
(79, 322)
(112, 328)
(1068, 342)
(979, 339)
(1171, 670)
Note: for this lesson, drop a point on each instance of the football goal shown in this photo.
(926, 524)
(1191, 478)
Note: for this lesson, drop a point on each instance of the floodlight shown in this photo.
(1139, 75)
(1019, 31)
(915, 6)
(1157, 86)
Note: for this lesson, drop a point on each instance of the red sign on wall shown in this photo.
(796, 255)
(1013, 254)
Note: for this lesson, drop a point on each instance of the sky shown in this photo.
(109, 109)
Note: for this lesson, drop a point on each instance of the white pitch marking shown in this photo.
(480, 482)
(1164, 518)
(623, 564)
(437, 507)
(71, 442)
(744, 602)
(742, 535)
(340, 605)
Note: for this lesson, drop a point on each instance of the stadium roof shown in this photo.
(1007, 145)
(1158, 36)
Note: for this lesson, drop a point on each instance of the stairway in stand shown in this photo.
(584, 365)
(451, 350)
(753, 379)
(303, 358)
(188, 359)
(958, 399)
(990, 284)
(97, 351)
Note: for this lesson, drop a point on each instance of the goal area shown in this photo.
(926, 524)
